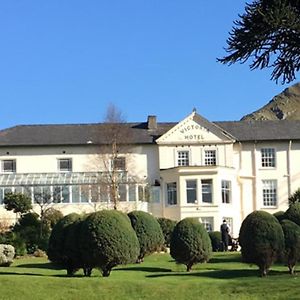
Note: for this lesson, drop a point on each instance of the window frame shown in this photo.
(13, 168)
(69, 162)
(171, 189)
(204, 182)
(191, 191)
(118, 163)
(269, 193)
(208, 223)
(268, 157)
(210, 160)
(226, 191)
(183, 158)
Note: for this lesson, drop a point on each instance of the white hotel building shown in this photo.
(194, 168)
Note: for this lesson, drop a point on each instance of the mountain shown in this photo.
(285, 105)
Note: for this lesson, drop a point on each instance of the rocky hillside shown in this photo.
(286, 105)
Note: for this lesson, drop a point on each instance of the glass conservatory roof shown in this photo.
(21, 179)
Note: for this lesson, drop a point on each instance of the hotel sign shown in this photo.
(193, 132)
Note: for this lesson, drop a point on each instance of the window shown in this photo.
(132, 192)
(155, 194)
(191, 191)
(210, 158)
(65, 165)
(119, 163)
(268, 158)
(95, 195)
(61, 194)
(122, 192)
(208, 223)
(172, 193)
(229, 222)
(42, 194)
(226, 191)
(183, 158)
(9, 166)
(269, 192)
(206, 190)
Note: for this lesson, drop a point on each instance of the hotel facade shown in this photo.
(194, 168)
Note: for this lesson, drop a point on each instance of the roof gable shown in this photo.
(195, 129)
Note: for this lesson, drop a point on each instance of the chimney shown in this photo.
(151, 123)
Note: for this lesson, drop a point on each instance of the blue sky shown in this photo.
(65, 61)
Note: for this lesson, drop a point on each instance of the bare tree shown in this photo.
(113, 160)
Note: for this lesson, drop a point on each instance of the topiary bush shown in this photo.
(261, 239)
(292, 243)
(216, 240)
(295, 197)
(7, 254)
(293, 213)
(167, 226)
(148, 232)
(279, 215)
(56, 248)
(190, 243)
(51, 217)
(107, 240)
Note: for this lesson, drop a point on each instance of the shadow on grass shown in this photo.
(218, 274)
(48, 265)
(145, 269)
(42, 275)
(226, 259)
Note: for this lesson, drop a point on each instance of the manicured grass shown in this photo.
(224, 277)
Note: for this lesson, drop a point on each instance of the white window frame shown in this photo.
(268, 157)
(208, 223)
(210, 160)
(183, 158)
(70, 164)
(171, 190)
(226, 191)
(193, 189)
(13, 168)
(269, 193)
(203, 183)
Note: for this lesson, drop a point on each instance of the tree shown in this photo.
(261, 239)
(17, 202)
(113, 161)
(293, 213)
(295, 197)
(292, 243)
(190, 243)
(267, 35)
(148, 232)
(107, 240)
(167, 226)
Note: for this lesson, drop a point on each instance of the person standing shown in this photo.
(225, 235)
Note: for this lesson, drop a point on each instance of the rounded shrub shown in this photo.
(261, 239)
(51, 217)
(216, 240)
(148, 232)
(292, 243)
(190, 243)
(293, 213)
(56, 248)
(279, 215)
(167, 226)
(107, 240)
(7, 254)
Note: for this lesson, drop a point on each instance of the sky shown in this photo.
(65, 61)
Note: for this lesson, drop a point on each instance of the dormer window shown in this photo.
(9, 166)
(65, 165)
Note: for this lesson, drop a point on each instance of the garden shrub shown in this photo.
(167, 226)
(292, 243)
(216, 240)
(51, 217)
(190, 243)
(279, 215)
(28, 229)
(107, 240)
(261, 239)
(148, 232)
(295, 197)
(293, 213)
(56, 248)
(7, 254)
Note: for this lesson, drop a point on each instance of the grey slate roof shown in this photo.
(262, 130)
(138, 133)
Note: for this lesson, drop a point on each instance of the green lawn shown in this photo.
(224, 277)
